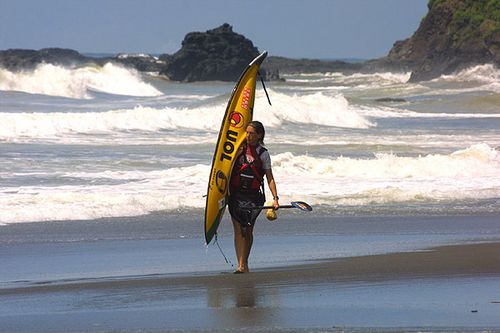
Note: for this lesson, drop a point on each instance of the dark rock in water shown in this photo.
(21, 59)
(18, 59)
(141, 62)
(218, 54)
(454, 35)
(287, 65)
(390, 100)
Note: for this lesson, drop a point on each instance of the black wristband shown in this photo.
(276, 198)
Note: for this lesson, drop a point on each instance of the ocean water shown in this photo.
(85, 143)
(103, 172)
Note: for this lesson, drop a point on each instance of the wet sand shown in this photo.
(444, 261)
(445, 287)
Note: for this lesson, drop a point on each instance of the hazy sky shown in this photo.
(291, 28)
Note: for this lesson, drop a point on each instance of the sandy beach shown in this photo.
(447, 288)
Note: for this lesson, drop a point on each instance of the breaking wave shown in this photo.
(77, 83)
(316, 109)
(487, 76)
(467, 174)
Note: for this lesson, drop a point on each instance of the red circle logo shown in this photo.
(236, 119)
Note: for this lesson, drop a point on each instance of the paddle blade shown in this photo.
(301, 205)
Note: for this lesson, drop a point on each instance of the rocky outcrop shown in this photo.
(22, 59)
(453, 35)
(218, 54)
(141, 62)
(287, 65)
(18, 59)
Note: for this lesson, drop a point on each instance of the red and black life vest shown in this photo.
(248, 176)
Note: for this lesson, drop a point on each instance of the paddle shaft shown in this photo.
(269, 207)
(295, 204)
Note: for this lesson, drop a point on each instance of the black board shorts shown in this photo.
(239, 204)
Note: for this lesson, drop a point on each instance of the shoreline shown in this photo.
(445, 284)
(449, 261)
(447, 288)
(155, 247)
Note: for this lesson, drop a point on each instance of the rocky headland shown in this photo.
(21, 59)
(454, 34)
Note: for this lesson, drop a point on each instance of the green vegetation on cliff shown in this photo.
(472, 20)
(455, 34)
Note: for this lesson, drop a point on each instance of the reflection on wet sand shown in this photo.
(249, 305)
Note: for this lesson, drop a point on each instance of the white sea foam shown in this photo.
(47, 180)
(53, 125)
(379, 77)
(457, 164)
(383, 78)
(77, 83)
(387, 112)
(317, 108)
(418, 140)
(136, 55)
(487, 73)
(307, 109)
(487, 76)
(141, 125)
(471, 173)
(145, 192)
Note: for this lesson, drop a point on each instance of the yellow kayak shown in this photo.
(239, 113)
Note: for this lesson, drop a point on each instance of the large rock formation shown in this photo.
(218, 54)
(455, 34)
(19, 59)
(23, 59)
